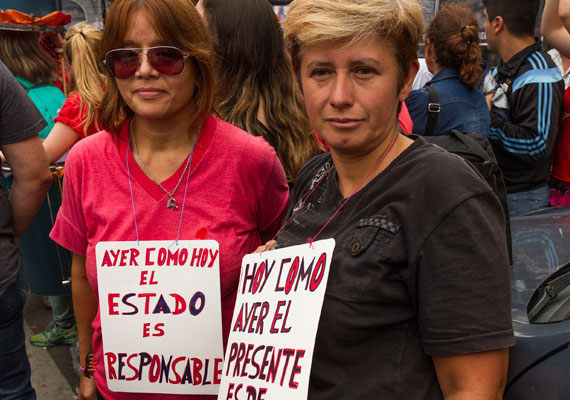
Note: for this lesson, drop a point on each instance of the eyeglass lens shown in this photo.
(123, 63)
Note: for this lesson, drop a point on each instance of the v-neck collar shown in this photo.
(137, 174)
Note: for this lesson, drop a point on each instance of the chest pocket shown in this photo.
(370, 229)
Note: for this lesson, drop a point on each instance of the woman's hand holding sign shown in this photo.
(267, 246)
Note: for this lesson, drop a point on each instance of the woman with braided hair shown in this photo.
(453, 56)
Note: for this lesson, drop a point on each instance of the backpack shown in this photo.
(47, 98)
(477, 151)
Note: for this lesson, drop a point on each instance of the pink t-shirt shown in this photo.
(237, 190)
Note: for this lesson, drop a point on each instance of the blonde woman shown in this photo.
(78, 118)
(256, 87)
(408, 311)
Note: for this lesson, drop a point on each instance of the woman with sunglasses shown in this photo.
(163, 168)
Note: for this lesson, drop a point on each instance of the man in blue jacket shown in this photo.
(525, 104)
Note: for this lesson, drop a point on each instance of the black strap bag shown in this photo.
(474, 149)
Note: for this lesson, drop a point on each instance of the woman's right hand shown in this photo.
(87, 389)
(267, 246)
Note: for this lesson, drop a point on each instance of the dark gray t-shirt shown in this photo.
(420, 268)
(19, 120)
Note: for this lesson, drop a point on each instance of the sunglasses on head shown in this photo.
(123, 63)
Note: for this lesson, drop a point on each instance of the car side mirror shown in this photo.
(550, 302)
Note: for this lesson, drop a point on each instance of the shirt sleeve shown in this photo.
(535, 107)
(70, 228)
(19, 117)
(71, 114)
(463, 283)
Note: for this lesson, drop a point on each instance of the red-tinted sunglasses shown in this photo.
(123, 63)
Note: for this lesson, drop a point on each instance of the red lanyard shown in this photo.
(311, 240)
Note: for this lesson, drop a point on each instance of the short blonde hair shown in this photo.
(398, 23)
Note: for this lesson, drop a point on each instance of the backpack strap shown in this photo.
(29, 85)
(433, 110)
(471, 144)
(25, 83)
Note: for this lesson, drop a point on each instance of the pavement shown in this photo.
(53, 376)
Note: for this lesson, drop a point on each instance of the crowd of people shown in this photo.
(219, 123)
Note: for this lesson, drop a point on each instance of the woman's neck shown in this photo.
(356, 172)
(162, 135)
(161, 147)
(435, 68)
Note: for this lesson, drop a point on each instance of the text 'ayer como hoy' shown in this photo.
(163, 256)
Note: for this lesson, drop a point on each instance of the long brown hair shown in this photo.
(22, 54)
(254, 72)
(178, 24)
(454, 33)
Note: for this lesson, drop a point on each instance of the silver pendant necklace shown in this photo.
(172, 201)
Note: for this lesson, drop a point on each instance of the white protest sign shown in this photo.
(272, 336)
(161, 320)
